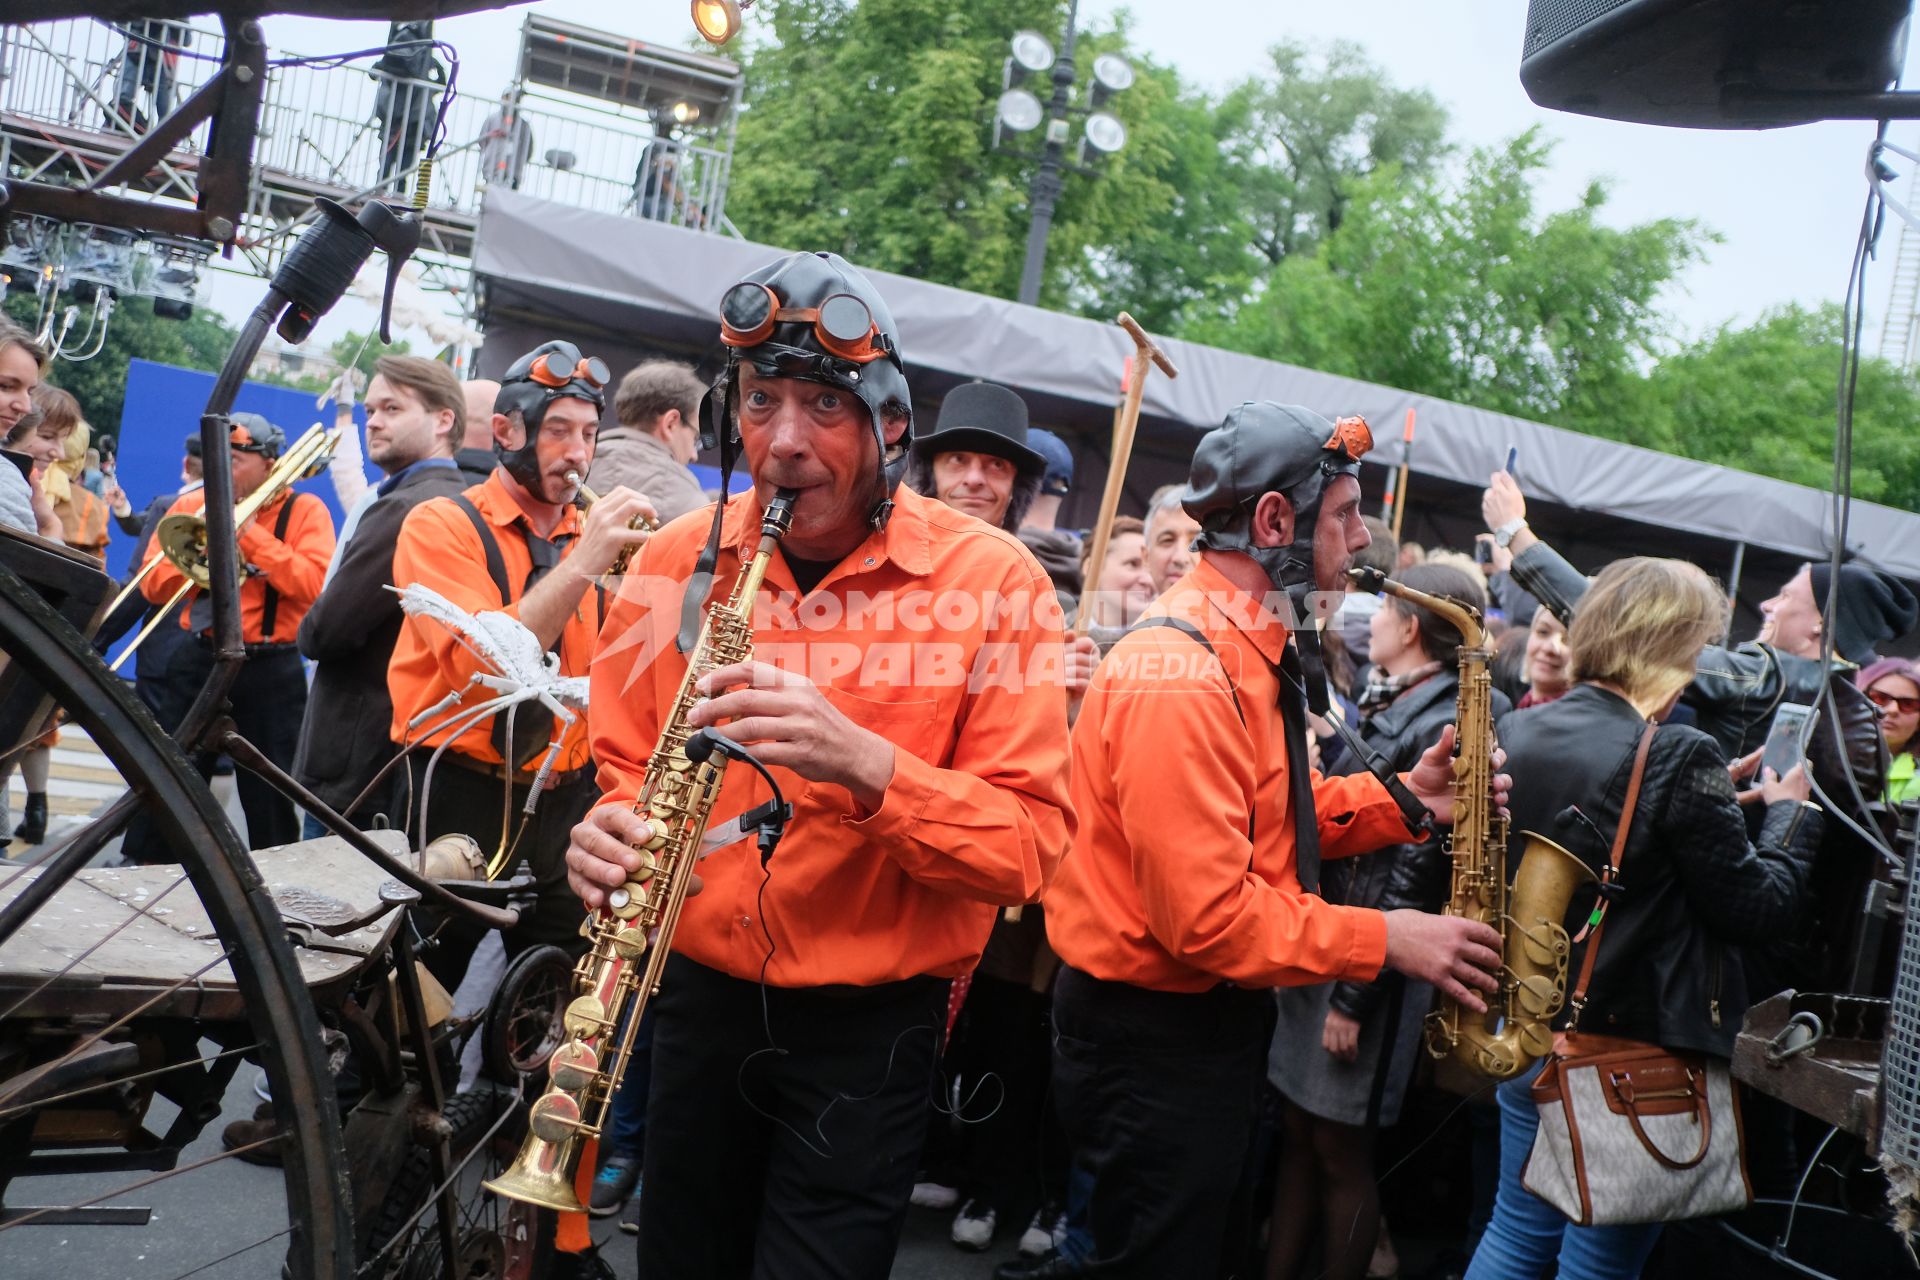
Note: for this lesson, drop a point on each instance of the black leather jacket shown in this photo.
(1735, 691)
(1693, 890)
(1398, 875)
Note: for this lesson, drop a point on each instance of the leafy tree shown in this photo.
(1464, 290)
(1762, 398)
(100, 384)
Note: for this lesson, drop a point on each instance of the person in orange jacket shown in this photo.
(284, 552)
(893, 696)
(1190, 891)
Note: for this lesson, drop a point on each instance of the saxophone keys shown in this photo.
(629, 944)
(628, 901)
(657, 840)
(586, 1016)
(554, 1117)
(573, 1066)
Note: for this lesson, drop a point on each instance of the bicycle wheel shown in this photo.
(495, 1238)
(125, 1014)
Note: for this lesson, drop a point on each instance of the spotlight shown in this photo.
(1031, 52)
(685, 112)
(173, 308)
(1018, 110)
(1111, 74)
(1105, 133)
(718, 21)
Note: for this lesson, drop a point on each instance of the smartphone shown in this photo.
(1513, 456)
(1483, 549)
(1785, 737)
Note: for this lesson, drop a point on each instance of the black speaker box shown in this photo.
(1711, 64)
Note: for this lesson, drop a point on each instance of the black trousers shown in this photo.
(787, 1162)
(468, 801)
(267, 703)
(1159, 1093)
(1002, 1056)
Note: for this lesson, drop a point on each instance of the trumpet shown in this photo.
(587, 498)
(182, 537)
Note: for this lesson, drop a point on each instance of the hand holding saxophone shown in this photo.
(617, 524)
(603, 853)
(788, 722)
(1431, 780)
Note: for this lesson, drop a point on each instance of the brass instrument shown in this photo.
(182, 537)
(587, 498)
(1518, 1025)
(638, 922)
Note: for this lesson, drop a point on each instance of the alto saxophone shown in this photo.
(611, 983)
(1518, 1024)
(587, 498)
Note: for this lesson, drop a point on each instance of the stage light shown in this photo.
(718, 21)
(1105, 133)
(1018, 110)
(1031, 52)
(1113, 73)
(685, 112)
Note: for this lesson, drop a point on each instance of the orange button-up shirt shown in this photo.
(940, 634)
(439, 548)
(295, 568)
(1163, 888)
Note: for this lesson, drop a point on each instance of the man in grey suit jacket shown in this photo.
(658, 405)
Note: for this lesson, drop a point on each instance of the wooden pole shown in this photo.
(1123, 431)
(1400, 485)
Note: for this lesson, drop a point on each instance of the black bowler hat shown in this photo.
(982, 417)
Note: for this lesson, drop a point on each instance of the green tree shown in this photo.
(100, 384)
(1761, 397)
(1463, 289)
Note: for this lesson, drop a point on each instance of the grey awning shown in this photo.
(549, 264)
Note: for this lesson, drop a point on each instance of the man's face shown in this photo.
(1549, 664)
(1170, 536)
(816, 440)
(19, 375)
(1125, 586)
(1340, 534)
(249, 471)
(1793, 618)
(680, 434)
(400, 428)
(563, 443)
(977, 483)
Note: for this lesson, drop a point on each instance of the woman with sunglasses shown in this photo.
(1893, 686)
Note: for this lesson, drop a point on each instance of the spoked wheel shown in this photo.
(129, 1001)
(494, 1238)
(524, 1023)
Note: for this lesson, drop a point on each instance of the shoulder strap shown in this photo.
(1610, 874)
(1187, 628)
(496, 565)
(270, 602)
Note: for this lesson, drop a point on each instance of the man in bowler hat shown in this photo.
(977, 458)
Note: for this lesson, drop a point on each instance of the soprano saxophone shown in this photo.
(1518, 1025)
(631, 936)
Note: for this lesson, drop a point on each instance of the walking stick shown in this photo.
(1123, 430)
(1400, 485)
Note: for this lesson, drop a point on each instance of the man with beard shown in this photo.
(514, 544)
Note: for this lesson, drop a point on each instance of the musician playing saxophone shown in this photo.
(1190, 891)
(284, 550)
(515, 543)
(895, 704)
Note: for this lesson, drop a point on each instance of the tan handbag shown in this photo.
(1630, 1132)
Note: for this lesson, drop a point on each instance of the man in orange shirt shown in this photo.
(513, 544)
(284, 552)
(1190, 889)
(892, 696)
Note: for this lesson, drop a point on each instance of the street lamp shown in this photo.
(1019, 110)
(718, 21)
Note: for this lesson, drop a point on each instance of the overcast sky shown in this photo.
(1786, 201)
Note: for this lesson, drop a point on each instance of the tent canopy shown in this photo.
(547, 268)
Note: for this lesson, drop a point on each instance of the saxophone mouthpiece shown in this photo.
(1367, 578)
(778, 517)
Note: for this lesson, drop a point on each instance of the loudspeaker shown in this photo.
(1713, 64)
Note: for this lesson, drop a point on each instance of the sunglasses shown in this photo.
(842, 324)
(1888, 701)
(551, 370)
(1351, 436)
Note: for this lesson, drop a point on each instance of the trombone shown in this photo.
(182, 536)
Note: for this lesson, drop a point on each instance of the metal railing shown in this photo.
(73, 94)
